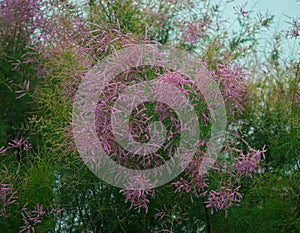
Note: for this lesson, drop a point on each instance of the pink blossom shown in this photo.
(2, 150)
(182, 185)
(24, 90)
(20, 143)
(196, 184)
(223, 198)
(136, 194)
(21, 17)
(248, 163)
(138, 198)
(32, 218)
(232, 81)
(193, 31)
(7, 197)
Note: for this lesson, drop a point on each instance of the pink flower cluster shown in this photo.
(20, 143)
(248, 163)
(7, 197)
(20, 18)
(24, 90)
(232, 81)
(223, 198)
(136, 194)
(138, 198)
(195, 184)
(20, 10)
(193, 32)
(32, 218)
(2, 150)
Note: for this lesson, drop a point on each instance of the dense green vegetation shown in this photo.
(47, 47)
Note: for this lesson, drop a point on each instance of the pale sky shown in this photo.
(277, 7)
(281, 9)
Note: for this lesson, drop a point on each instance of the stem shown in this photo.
(207, 218)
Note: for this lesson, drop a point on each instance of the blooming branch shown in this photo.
(7, 197)
(20, 143)
(223, 198)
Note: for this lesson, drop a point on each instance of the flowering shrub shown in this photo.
(47, 49)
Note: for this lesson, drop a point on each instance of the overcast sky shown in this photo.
(281, 9)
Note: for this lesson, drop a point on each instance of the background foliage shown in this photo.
(46, 48)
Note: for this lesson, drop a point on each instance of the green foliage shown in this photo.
(52, 173)
(274, 116)
(271, 203)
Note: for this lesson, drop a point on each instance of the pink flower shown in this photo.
(2, 150)
(32, 218)
(182, 185)
(7, 197)
(138, 197)
(196, 184)
(21, 17)
(248, 163)
(223, 198)
(231, 79)
(193, 31)
(19, 143)
(24, 90)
